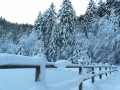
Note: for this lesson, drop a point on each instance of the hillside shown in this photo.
(10, 34)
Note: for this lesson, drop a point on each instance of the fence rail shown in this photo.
(107, 70)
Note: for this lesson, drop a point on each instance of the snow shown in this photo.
(100, 64)
(11, 59)
(109, 83)
(49, 79)
(39, 86)
(16, 79)
(62, 63)
(8, 59)
(54, 80)
(67, 85)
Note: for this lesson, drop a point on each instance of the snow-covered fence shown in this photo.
(23, 66)
(102, 70)
(40, 63)
(8, 61)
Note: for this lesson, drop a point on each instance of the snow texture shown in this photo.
(67, 85)
(11, 59)
(7, 59)
(62, 63)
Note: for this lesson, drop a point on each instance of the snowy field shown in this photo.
(23, 79)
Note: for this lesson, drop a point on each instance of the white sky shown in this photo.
(26, 11)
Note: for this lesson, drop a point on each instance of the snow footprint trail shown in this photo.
(111, 83)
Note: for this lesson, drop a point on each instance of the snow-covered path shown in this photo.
(112, 82)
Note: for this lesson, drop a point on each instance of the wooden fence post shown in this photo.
(93, 76)
(116, 69)
(37, 73)
(113, 68)
(100, 76)
(106, 70)
(110, 69)
(81, 84)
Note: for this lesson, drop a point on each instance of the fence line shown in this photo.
(108, 69)
(92, 67)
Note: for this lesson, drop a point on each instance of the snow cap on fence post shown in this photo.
(107, 64)
(40, 84)
(100, 64)
(62, 63)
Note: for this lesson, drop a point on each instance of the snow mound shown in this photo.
(62, 63)
(39, 86)
(100, 64)
(11, 59)
(107, 64)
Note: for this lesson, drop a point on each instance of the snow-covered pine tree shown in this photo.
(110, 5)
(101, 8)
(37, 36)
(115, 40)
(38, 21)
(38, 26)
(38, 48)
(90, 14)
(91, 9)
(111, 0)
(67, 17)
(77, 47)
(52, 51)
(105, 45)
(49, 20)
(21, 48)
(32, 44)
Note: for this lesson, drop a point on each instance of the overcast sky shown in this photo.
(26, 11)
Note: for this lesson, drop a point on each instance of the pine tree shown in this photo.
(90, 14)
(109, 6)
(110, 0)
(38, 26)
(101, 8)
(32, 44)
(36, 36)
(92, 10)
(115, 41)
(67, 17)
(49, 20)
(21, 49)
(38, 21)
(38, 48)
(52, 51)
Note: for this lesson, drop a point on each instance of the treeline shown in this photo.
(92, 37)
(10, 33)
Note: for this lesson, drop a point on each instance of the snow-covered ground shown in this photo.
(111, 82)
(23, 79)
(55, 79)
